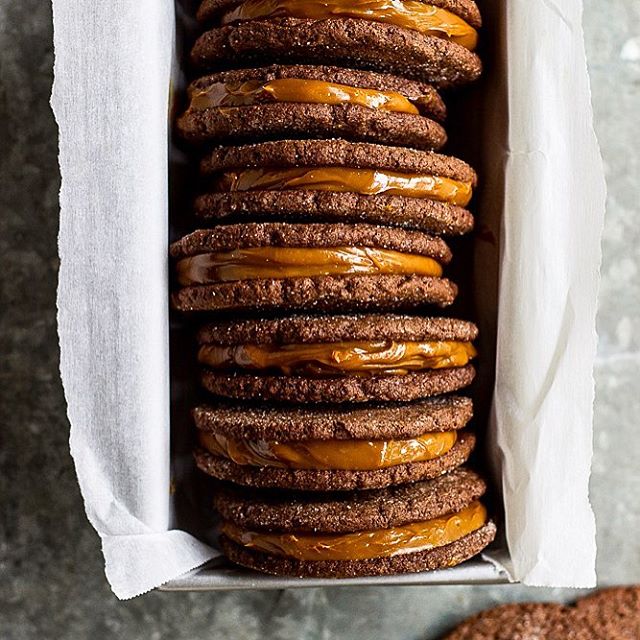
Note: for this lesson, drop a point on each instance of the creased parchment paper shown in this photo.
(113, 68)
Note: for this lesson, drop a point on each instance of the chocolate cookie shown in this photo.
(421, 42)
(610, 614)
(384, 358)
(297, 267)
(325, 206)
(311, 329)
(420, 526)
(377, 422)
(412, 386)
(536, 621)
(312, 102)
(349, 511)
(331, 180)
(287, 154)
(334, 479)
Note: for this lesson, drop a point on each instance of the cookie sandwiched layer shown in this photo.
(338, 180)
(333, 449)
(294, 267)
(417, 527)
(336, 359)
(427, 41)
(312, 102)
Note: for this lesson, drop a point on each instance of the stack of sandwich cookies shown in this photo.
(294, 267)
(414, 527)
(332, 430)
(428, 41)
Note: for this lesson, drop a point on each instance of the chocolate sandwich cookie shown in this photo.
(428, 41)
(312, 102)
(417, 527)
(310, 266)
(333, 449)
(338, 180)
(335, 359)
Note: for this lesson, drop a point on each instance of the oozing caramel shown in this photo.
(354, 455)
(291, 262)
(251, 92)
(409, 14)
(362, 357)
(362, 545)
(341, 179)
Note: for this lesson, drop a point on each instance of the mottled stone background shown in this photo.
(51, 575)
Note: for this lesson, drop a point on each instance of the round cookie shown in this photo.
(335, 153)
(349, 511)
(610, 614)
(535, 621)
(324, 206)
(377, 422)
(352, 41)
(244, 105)
(351, 274)
(309, 329)
(296, 203)
(334, 479)
(337, 384)
(412, 386)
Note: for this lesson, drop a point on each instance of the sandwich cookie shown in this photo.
(416, 527)
(312, 102)
(335, 359)
(428, 41)
(333, 449)
(280, 266)
(338, 180)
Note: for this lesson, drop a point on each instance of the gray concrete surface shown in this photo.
(51, 578)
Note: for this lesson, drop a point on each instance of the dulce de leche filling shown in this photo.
(341, 179)
(362, 545)
(353, 455)
(360, 357)
(251, 92)
(409, 14)
(293, 262)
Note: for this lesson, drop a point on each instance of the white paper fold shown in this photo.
(110, 97)
(112, 72)
(552, 223)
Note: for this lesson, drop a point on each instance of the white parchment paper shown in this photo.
(549, 273)
(110, 97)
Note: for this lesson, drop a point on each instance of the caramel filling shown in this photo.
(409, 14)
(353, 455)
(362, 545)
(341, 179)
(386, 357)
(285, 262)
(298, 90)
